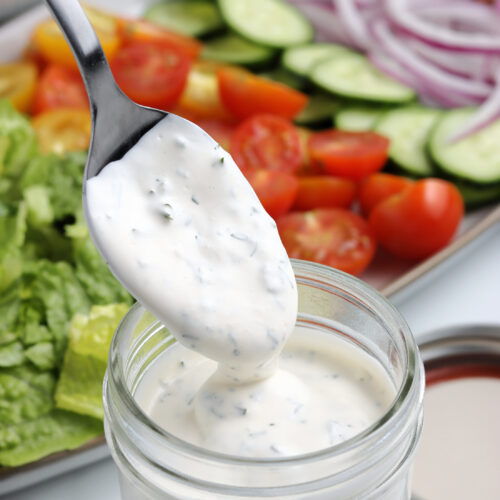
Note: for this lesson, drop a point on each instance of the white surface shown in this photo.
(467, 292)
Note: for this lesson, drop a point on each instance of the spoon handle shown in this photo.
(87, 51)
(117, 122)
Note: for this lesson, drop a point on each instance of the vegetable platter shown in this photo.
(310, 122)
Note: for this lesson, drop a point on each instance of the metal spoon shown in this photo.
(117, 122)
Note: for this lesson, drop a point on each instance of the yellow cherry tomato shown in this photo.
(17, 83)
(200, 97)
(62, 130)
(51, 44)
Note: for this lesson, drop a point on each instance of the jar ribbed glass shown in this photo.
(374, 464)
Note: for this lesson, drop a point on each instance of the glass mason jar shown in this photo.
(374, 464)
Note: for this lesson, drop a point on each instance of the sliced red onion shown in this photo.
(401, 15)
(466, 17)
(486, 114)
(474, 66)
(353, 22)
(430, 75)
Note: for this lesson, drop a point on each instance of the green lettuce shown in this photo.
(21, 398)
(89, 264)
(12, 236)
(50, 272)
(54, 431)
(57, 184)
(79, 388)
(17, 140)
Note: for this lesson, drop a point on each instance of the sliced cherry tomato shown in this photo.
(51, 44)
(62, 130)
(17, 83)
(266, 141)
(324, 191)
(276, 190)
(420, 220)
(200, 98)
(245, 94)
(59, 87)
(377, 187)
(131, 30)
(306, 168)
(219, 130)
(348, 154)
(151, 74)
(334, 236)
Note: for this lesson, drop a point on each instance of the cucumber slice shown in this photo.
(358, 119)
(319, 111)
(478, 196)
(233, 49)
(354, 77)
(475, 158)
(302, 59)
(408, 129)
(274, 23)
(189, 17)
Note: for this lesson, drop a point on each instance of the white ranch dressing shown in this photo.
(184, 232)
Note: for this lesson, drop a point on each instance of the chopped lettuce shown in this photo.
(17, 140)
(49, 272)
(58, 183)
(42, 355)
(55, 431)
(80, 382)
(12, 235)
(54, 287)
(89, 264)
(21, 399)
(11, 354)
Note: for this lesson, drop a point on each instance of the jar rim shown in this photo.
(413, 380)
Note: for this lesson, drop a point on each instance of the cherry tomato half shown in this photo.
(377, 187)
(51, 44)
(266, 141)
(324, 191)
(245, 94)
(348, 154)
(59, 87)
(61, 130)
(131, 30)
(200, 98)
(151, 74)
(276, 190)
(420, 220)
(17, 83)
(335, 237)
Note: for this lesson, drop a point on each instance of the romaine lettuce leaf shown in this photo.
(54, 285)
(11, 354)
(60, 178)
(12, 235)
(17, 140)
(89, 264)
(55, 431)
(79, 388)
(20, 399)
